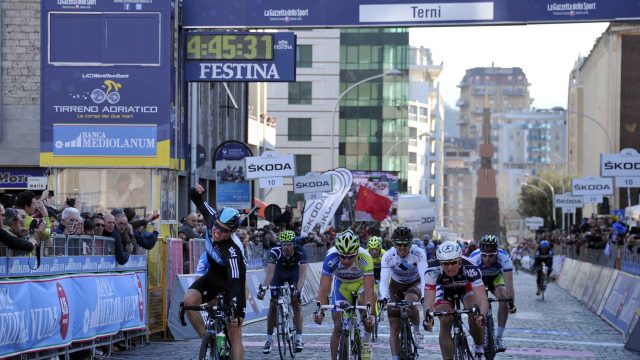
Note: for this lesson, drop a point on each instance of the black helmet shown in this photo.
(489, 244)
(402, 234)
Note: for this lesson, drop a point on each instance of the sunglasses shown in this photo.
(449, 263)
(488, 255)
(100, 225)
(402, 244)
(221, 229)
(348, 257)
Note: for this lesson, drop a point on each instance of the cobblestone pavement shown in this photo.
(559, 328)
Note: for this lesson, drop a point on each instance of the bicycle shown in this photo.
(461, 349)
(490, 346)
(350, 344)
(286, 335)
(215, 343)
(542, 286)
(408, 348)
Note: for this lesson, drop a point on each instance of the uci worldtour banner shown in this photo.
(106, 100)
(339, 13)
(319, 212)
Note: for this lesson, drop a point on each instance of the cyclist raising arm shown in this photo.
(452, 275)
(497, 276)
(352, 269)
(288, 262)
(402, 278)
(226, 272)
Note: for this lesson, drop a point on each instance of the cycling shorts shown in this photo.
(397, 292)
(492, 282)
(210, 286)
(447, 296)
(342, 290)
(285, 276)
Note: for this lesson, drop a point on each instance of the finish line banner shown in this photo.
(339, 13)
(38, 313)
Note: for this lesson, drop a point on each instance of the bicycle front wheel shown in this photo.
(461, 347)
(208, 348)
(489, 340)
(281, 333)
(344, 346)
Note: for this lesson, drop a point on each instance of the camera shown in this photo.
(35, 224)
(71, 202)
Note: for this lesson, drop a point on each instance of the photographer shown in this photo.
(13, 235)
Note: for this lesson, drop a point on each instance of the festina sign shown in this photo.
(312, 183)
(592, 186)
(568, 201)
(274, 165)
(626, 163)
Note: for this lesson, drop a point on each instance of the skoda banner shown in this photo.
(592, 186)
(232, 188)
(320, 212)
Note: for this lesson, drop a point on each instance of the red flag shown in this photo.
(376, 205)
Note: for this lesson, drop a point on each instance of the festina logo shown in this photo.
(621, 166)
(312, 184)
(238, 71)
(589, 187)
(269, 167)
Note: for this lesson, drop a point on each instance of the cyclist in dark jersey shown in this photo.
(544, 254)
(226, 273)
(449, 275)
(287, 263)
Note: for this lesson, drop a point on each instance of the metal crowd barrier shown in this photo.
(619, 257)
(75, 245)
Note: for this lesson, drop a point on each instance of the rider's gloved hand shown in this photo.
(512, 307)
(296, 293)
(318, 317)
(427, 323)
(382, 302)
(261, 292)
(481, 320)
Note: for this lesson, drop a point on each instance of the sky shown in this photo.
(546, 54)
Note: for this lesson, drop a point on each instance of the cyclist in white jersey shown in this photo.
(402, 278)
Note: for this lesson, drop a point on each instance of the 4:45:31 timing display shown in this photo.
(229, 46)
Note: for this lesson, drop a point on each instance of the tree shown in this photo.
(535, 202)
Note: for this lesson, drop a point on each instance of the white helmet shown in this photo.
(448, 251)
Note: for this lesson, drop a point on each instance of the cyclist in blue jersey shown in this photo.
(225, 273)
(497, 275)
(287, 263)
(544, 254)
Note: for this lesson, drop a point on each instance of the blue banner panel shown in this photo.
(323, 13)
(622, 303)
(16, 178)
(56, 265)
(38, 313)
(232, 188)
(282, 66)
(107, 5)
(104, 140)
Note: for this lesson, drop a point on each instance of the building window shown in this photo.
(413, 158)
(303, 164)
(293, 198)
(413, 133)
(304, 58)
(299, 129)
(300, 92)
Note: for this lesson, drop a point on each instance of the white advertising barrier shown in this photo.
(312, 183)
(592, 186)
(319, 212)
(417, 213)
(568, 201)
(625, 164)
(270, 165)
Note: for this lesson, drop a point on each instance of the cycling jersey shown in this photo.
(405, 270)
(448, 287)
(363, 265)
(502, 263)
(225, 262)
(282, 261)
(377, 260)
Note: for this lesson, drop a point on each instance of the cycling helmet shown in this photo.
(544, 244)
(489, 244)
(229, 218)
(374, 243)
(347, 243)
(402, 234)
(448, 251)
(286, 236)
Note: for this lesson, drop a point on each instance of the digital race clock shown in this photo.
(229, 46)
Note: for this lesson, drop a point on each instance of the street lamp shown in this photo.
(392, 72)
(553, 194)
(542, 191)
(609, 142)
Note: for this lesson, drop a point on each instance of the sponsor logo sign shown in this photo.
(37, 182)
(311, 183)
(232, 188)
(18, 178)
(534, 222)
(626, 163)
(319, 212)
(104, 140)
(568, 201)
(592, 186)
(270, 165)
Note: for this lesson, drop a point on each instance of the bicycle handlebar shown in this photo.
(343, 307)
(201, 307)
(474, 310)
(490, 299)
(404, 303)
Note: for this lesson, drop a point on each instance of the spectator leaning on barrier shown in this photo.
(122, 256)
(125, 231)
(12, 234)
